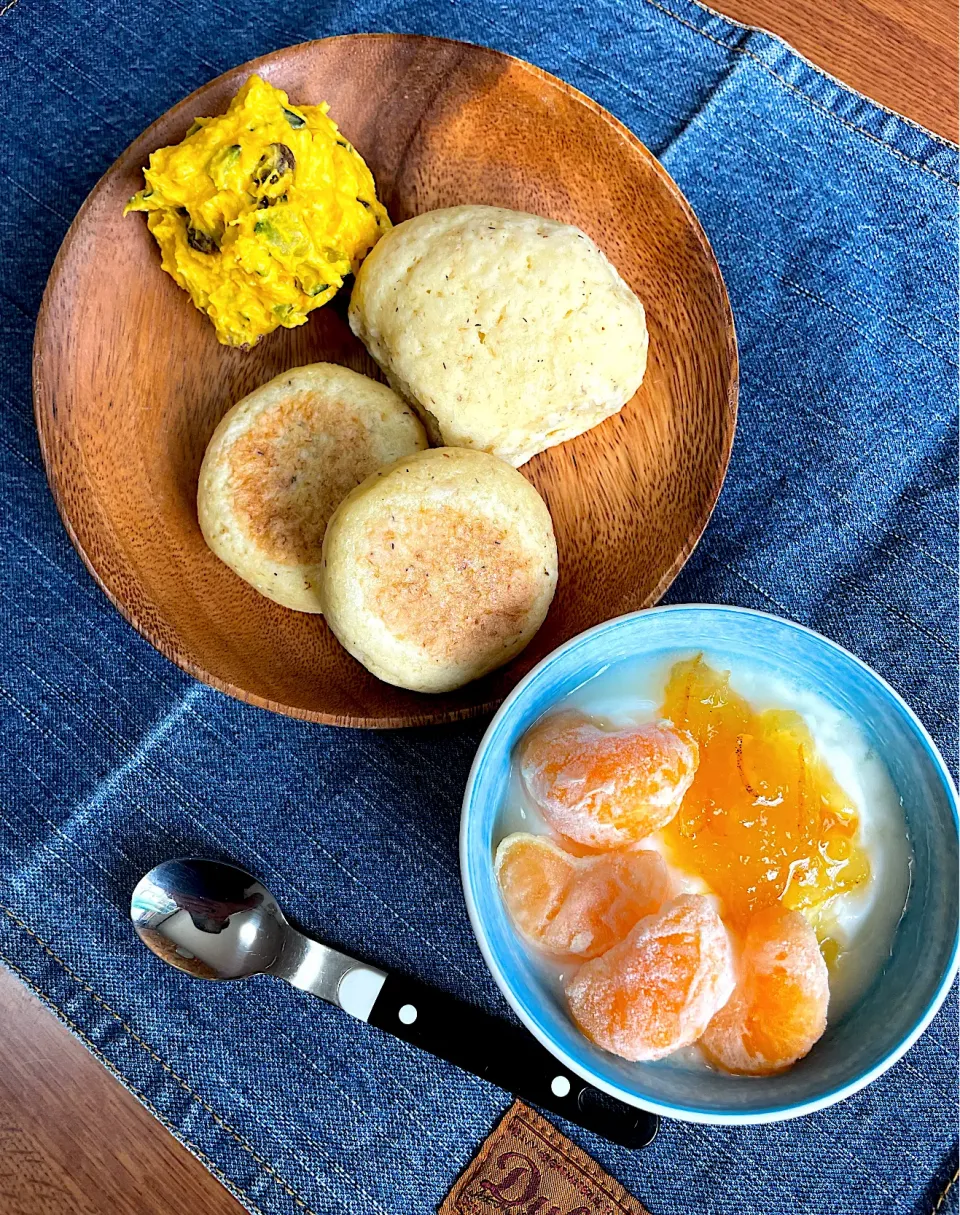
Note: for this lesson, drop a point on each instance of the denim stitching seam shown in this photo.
(946, 1190)
(817, 105)
(220, 1121)
(127, 1083)
(753, 29)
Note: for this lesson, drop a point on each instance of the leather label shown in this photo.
(526, 1167)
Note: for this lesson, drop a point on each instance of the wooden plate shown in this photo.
(129, 380)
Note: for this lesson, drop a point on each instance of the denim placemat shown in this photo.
(835, 225)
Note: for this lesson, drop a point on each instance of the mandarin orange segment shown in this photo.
(608, 895)
(533, 874)
(577, 905)
(606, 788)
(659, 988)
(779, 1008)
(764, 819)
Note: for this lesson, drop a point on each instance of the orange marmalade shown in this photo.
(764, 819)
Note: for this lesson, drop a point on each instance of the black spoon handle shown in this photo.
(506, 1055)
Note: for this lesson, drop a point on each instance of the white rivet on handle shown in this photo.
(408, 1014)
(560, 1086)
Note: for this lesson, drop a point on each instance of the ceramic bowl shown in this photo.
(904, 997)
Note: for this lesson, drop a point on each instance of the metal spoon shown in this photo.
(216, 921)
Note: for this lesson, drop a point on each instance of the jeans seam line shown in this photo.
(817, 105)
(946, 1190)
(145, 1046)
(105, 1063)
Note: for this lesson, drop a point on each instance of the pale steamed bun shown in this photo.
(280, 463)
(509, 333)
(439, 568)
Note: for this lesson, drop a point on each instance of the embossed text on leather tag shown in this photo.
(527, 1167)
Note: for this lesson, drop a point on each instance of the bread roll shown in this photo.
(281, 461)
(508, 332)
(439, 568)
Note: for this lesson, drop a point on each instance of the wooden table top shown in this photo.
(72, 1140)
(902, 53)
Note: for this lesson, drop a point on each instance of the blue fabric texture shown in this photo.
(834, 223)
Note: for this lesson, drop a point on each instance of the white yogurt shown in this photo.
(862, 921)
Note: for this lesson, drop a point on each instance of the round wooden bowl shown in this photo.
(129, 380)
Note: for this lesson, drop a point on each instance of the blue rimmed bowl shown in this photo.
(903, 998)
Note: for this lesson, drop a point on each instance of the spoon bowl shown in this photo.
(210, 919)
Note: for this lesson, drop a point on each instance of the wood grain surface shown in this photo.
(124, 419)
(902, 53)
(72, 1141)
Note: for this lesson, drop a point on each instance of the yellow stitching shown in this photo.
(818, 105)
(753, 29)
(943, 1197)
(7, 7)
(850, 320)
(102, 1058)
(742, 50)
(247, 1147)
